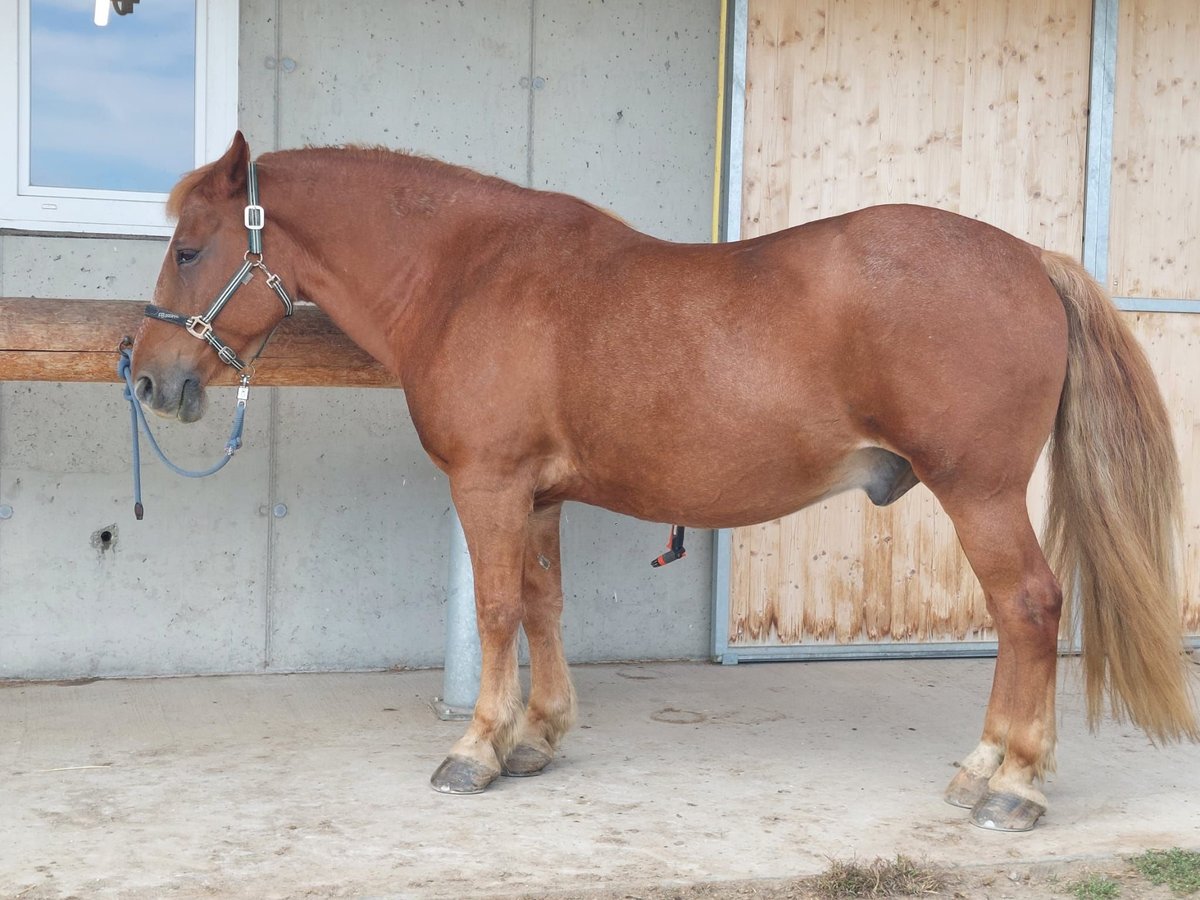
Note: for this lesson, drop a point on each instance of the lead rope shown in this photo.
(136, 416)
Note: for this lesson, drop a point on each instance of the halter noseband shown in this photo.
(201, 327)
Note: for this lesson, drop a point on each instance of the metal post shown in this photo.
(729, 228)
(460, 680)
(1101, 111)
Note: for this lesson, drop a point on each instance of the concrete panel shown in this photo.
(626, 113)
(359, 564)
(442, 78)
(179, 592)
(259, 72)
(79, 268)
(616, 606)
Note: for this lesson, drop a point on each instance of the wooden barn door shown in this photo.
(975, 107)
(980, 108)
(1154, 226)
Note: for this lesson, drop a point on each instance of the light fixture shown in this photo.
(122, 8)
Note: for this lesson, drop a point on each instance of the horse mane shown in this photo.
(184, 188)
(418, 163)
(427, 166)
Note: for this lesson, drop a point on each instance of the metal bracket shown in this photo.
(448, 713)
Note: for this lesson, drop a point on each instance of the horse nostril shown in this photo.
(144, 389)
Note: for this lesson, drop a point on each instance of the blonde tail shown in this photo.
(1113, 523)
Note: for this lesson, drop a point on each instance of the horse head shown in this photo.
(215, 302)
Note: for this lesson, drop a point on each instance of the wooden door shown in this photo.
(975, 107)
(1154, 226)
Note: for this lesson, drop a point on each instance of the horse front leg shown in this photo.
(495, 521)
(551, 709)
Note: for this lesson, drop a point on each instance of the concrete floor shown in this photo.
(317, 785)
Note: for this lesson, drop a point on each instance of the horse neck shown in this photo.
(369, 235)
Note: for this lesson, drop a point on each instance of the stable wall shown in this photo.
(323, 545)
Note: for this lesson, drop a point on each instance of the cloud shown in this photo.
(109, 103)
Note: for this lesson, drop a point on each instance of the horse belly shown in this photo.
(726, 490)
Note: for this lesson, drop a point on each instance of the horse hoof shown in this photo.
(526, 760)
(459, 775)
(966, 790)
(1006, 812)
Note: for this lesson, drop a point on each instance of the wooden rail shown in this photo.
(77, 340)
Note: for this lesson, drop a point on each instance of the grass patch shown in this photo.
(1094, 887)
(1177, 869)
(900, 877)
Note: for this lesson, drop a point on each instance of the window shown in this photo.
(108, 117)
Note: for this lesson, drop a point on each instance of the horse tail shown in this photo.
(1114, 521)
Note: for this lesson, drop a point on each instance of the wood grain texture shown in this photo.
(1155, 219)
(1172, 341)
(77, 340)
(978, 108)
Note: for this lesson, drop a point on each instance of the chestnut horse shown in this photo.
(873, 350)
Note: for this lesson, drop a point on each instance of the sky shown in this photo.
(112, 108)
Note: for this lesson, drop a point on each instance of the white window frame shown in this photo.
(32, 208)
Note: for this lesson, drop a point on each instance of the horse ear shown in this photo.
(229, 172)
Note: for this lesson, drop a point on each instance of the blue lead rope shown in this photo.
(136, 415)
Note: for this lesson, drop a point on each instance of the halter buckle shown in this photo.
(254, 217)
(198, 327)
(228, 356)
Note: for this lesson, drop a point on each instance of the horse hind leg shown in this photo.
(551, 708)
(998, 779)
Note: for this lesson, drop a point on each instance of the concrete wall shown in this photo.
(611, 100)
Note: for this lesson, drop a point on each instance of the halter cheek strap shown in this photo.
(201, 327)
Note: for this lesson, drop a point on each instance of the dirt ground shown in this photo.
(681, 781)
(1043, 881)
(1020, 881)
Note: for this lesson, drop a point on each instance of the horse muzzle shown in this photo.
(174, 395)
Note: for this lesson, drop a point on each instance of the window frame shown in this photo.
(78, 210)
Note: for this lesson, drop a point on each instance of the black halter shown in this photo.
(201, 327)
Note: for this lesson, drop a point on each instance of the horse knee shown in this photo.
(498, 617)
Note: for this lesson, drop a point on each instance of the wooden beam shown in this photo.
(77, 340)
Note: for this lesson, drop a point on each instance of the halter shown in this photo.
(201, 327)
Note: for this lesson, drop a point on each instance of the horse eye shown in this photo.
(185, 256)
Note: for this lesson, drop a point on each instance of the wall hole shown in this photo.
(104, 539)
